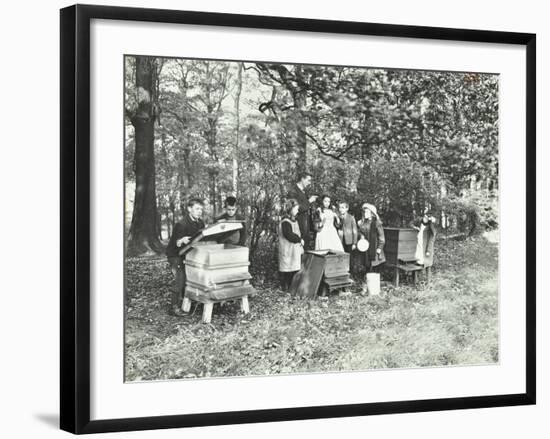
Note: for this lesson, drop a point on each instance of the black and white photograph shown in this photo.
(298, 218)
(275, 219)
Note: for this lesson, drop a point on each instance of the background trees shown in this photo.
(405, 140)
(142, 110)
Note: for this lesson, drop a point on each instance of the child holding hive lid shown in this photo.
(183, 231)
(291, 244)
(370, 228)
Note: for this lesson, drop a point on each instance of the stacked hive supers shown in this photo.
(336, 274)
(216, 273)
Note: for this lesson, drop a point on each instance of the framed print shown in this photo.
(274, 218)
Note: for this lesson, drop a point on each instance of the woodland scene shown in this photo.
(405, 141)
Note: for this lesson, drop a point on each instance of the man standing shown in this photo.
(183, 231)
(298, 192)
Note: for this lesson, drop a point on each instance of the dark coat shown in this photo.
(373, 232)
(187, 227)
(300, 196)
(347, 230)
(236, 237)
(303, 213)
(428, 240)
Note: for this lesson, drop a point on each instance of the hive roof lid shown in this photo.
(213, 231)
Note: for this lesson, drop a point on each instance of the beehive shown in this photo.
(400, 245)
(215, 273)
(337, 264)
(324, 271)
(217, 256)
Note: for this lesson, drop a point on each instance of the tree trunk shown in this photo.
(143, 235)
(159, 220)
(213, 193)
(171, 220)
(184, 173)
(237, 134)
(299, 97)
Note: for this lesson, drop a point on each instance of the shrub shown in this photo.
(401, 189)
(473, 213)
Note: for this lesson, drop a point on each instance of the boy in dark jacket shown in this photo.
(236, 237)
(347, 229)
(183, 231)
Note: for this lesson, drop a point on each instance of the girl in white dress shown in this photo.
(327, 236)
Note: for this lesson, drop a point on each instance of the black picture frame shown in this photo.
(75, 217)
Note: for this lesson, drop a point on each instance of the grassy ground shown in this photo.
(452, 321)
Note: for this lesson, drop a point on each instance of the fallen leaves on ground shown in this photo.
(451, 321)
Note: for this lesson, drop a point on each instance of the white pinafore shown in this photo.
(290, 253)
(419, 254)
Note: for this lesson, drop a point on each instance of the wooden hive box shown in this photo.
(214, 256)
(400, 245)
(335, 273)
(209, 277)
(336, 264)
(214, 266)
(228, 293)
(216, 272)
(327, 265)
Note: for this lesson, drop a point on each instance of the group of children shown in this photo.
(335, 229)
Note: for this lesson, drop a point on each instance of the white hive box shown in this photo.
(216, 272)
(215, 266)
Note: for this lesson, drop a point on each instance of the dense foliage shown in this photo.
(403, 140)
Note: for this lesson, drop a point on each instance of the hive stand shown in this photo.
(186, 306)
(336, 275)
(411, 268)
(217, 273)
(208, 307)
(400, 252)
(330, 284)
(208, 300)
